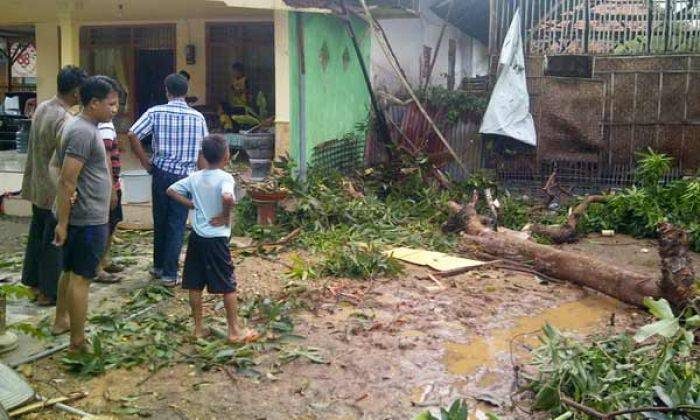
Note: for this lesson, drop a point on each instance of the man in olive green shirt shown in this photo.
(42, 260)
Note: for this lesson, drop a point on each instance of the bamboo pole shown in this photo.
(437, 47)
(396, 66)
(384, 129)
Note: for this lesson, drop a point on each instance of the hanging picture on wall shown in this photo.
(25, 64)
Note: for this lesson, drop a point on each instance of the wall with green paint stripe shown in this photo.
(336, 97)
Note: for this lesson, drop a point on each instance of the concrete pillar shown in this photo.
(193, 31)
(47, 59)
(282, 89)
(70, 40)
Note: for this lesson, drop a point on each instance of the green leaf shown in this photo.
(665, 328)
(15, 290)
(693, 322)
(546, 398)
(659, 308)
(565, 416)
(663, 396)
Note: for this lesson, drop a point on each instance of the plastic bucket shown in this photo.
(137, 186)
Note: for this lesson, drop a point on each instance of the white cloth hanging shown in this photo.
(508, 112)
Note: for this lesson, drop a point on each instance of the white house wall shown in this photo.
(408, 36)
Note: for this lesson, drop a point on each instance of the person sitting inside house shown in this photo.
(210, 193)
(238, 95)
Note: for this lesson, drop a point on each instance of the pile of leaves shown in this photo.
(657, 367)
(153, 338)
(346, 222)
(639, 209)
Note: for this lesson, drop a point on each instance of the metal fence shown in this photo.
(602, 27)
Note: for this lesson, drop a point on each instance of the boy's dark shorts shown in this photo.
(208, 263)
(84, 248)
(116, 214)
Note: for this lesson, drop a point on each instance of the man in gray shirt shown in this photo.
(82, 228)
(42, 260)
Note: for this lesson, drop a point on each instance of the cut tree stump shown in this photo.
(611, 279)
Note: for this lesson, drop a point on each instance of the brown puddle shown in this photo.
(581, 316)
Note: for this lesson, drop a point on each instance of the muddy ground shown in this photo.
(394, 347)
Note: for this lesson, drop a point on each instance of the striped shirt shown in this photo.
(109, 137)
(177, 132)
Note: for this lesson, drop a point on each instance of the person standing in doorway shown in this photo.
(42, 260)
(82, 227)
(178, 131)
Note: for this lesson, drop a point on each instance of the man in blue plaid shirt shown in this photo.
(177, 132)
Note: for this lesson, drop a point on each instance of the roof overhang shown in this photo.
(469, 16)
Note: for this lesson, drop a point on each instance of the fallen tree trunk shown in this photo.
(566, 233)
(611, 279)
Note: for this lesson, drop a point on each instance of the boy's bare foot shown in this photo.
(76, 351)
(43, 300)
(248, 336)
(60, 327)
(107, 277)
(113, 268)
(203, 333)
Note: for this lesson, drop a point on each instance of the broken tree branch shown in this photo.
(40, 405)
(566, 233)
(492, 205)
(608, 416)
(551, 185)
(677, 273)
(611, 279)
(283, 241)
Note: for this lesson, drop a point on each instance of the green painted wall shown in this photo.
(336, 94)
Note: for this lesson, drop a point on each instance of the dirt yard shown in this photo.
(392, 347)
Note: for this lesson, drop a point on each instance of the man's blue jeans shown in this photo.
(169, 218)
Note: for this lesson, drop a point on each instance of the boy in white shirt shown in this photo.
(210, 192)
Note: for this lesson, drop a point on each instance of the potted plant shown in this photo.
(257, 138)
(266, 194)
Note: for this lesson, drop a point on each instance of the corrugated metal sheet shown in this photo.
(465, 139)
(462, 136)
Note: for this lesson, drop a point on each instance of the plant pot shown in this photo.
(266, 204)
(265, 197)
(260, 148)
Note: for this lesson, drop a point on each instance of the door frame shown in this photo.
(132, 47)
(134, 76)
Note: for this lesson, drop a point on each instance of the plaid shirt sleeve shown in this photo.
(203, 132)
(204, 128)
(144, 126)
